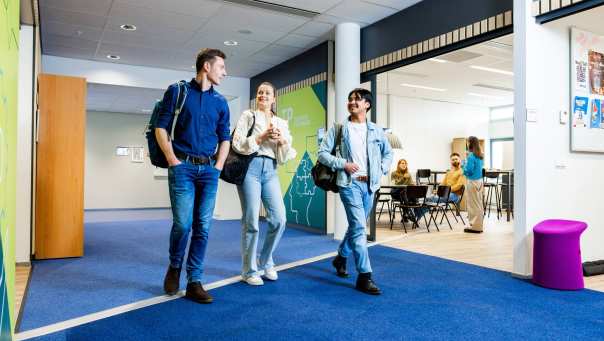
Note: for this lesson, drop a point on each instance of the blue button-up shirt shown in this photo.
(203, 122)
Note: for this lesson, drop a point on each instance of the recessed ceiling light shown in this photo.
(245, 31)
(484, 96)
(437, 60)
(422, 87)
(127, 27)
(489, 69)
(113, 56)
(231, 43)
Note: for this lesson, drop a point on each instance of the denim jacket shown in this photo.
(379, 154)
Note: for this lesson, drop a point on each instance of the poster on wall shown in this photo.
(587, 91)
(9, 64)
(306, 112)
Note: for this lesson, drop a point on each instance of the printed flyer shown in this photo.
(580, 112)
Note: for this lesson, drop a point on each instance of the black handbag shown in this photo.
(236, 165)
(323, 176)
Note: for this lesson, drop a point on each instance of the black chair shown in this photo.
(441, 205)
(384, 198)
(491, 184)
(395, 201)
(456, 206)
(412, 199)
(423, 174)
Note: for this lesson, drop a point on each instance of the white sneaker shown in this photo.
(271, 274)
(253, 280)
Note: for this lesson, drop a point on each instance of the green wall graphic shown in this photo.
(9, 64)
(306, 111)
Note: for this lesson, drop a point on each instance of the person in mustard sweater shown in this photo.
(453, 178)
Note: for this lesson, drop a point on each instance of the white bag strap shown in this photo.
(182, 90)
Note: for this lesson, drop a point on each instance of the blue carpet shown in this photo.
(424, 298)
(126, 261)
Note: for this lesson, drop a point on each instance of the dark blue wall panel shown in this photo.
(425, 20)
(303, 66)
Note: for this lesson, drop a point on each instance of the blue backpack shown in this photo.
(156, 155)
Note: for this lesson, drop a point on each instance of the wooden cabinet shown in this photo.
(459, 145)
(60, 150)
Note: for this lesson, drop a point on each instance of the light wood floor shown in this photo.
(491, 249)
(21, 277)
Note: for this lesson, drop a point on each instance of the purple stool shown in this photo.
(557, 254)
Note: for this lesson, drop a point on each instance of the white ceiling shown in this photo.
(461, 84)
(169, 33)
(123, 99)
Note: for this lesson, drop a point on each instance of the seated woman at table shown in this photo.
(401, 175)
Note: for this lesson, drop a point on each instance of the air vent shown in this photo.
(460, 56)
(493, 87)
(275, 7)
(410, 74)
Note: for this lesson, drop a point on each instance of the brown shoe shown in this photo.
(172, 281)
(195, 292)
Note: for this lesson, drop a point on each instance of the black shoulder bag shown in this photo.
(236, 165)
(323, 176)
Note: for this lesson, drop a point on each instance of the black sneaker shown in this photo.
(471, 231)
(340, 264)
(172, 281)
(195, 292)
(367, 285)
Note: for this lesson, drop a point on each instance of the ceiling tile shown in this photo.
(314, 29)
(137, 39)
(396, 4)
(143, 16)
(197, 8)
(297, 40)
(68, 51)
(309, 5)
(97, 7)
(71, 17)
(360, 11)
(70, 41)
(69, 30)
(263, 19)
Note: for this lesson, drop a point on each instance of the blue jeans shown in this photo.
(358, 202)
(261, 184)
(419, 212)
(192, 195)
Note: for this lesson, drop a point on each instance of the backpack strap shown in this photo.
(181, 97)
(338, 128)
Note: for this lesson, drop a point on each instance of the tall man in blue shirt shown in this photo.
(201, 127)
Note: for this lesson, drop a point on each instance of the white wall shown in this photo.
(501, 129)
(114, 181)
(559, 184)
(24, 144)
(427, 128)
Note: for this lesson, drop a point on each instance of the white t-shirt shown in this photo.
(358, 145)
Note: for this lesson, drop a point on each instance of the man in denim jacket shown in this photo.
(362, 158)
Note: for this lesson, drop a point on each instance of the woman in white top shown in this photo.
(271, 139)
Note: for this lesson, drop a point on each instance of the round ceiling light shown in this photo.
(113, 57)
(231, 43)
(127, 27)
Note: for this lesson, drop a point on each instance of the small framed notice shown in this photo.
(138, 154)
(122, 151)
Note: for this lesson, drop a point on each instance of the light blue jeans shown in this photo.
(261, 184)
(358, 202)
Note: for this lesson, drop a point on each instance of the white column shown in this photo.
(347, 77)
(522, 249)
